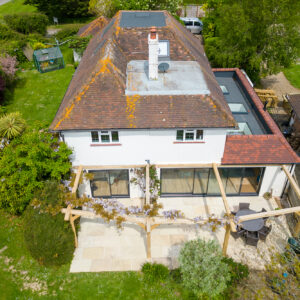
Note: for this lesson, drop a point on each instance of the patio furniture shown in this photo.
(238, 233)
(251, 225)
(264, 210)
(244, 205)
(263, 233)
(252, 238)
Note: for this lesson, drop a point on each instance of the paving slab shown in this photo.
(102, 247)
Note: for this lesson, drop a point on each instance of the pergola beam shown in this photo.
(76, 182)
(271, 213)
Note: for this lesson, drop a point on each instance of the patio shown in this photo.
(101, 247)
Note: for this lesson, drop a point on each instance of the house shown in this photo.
(145, 91)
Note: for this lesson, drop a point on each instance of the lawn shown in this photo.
(21, 277)
(37, 96)
(293, 75)
(15, 6)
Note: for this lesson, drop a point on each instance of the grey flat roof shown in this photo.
(237, 95)
(182, 78)
(142, 19)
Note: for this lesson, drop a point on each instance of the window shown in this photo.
(224, 89)
(110, 183)
(188, 23)
(95, 136)
(237, 108)
(196, 24)
(236, 181)
(242, 130)
(189, 135)
(105, 136)
(163, 48)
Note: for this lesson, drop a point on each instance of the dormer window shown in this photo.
(105, 136)
(187, 135)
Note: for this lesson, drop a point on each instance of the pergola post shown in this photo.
(297, 228)
(226, 239)
(147, 184)
(223, 194)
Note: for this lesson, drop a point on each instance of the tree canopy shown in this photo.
(110, 7)
(61, 9)
(260, 36)
(26, 162)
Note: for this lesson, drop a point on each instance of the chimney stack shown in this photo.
(153, 54)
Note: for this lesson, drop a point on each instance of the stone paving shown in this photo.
(102, 247)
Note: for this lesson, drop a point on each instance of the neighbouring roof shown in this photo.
(294, 100)
(96, 98)
(257, 149)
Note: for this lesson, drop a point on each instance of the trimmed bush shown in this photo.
(67, 31)
(202, 267)
(48, 237)
(238, 271)
(27, 22)
(155, 272)
(6, 33)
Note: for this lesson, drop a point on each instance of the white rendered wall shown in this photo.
(138, 145)
(274, 179)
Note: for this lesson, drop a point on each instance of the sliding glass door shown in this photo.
(236, 181)
(110, 183)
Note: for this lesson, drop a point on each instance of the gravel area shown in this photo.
(279, 84)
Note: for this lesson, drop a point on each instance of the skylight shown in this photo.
(242, 130)
(238, 108)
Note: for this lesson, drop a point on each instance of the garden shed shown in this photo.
(48, 59)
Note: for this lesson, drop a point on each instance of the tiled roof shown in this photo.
(294, 100)
(94, 27)
(96, 97)
(257, 149)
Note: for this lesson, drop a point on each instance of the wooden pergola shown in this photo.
(150, 223)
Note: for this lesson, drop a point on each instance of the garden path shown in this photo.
(3, 1)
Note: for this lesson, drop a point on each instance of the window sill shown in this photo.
(202, 142)
(108, 144)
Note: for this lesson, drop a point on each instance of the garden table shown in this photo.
(251, 225)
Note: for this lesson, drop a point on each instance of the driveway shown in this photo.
(3, 1)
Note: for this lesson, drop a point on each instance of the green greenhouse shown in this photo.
(48, 59)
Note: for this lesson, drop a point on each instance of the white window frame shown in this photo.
(194, 131)
(105, 132)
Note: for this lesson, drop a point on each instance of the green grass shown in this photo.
(20, 274)
(293, 75)
(15, 6)
(37, 96)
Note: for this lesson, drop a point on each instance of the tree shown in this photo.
(61, 9)
(11, 125)
(203, 269)
(26, 163)
(110, 7)
(260, 36)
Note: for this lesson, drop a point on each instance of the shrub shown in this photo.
(26, 163)
(48, 238)
(203, 270)
(238, 271)
(155, 272)
(79, 44)
(11, 125)
(27, 22)
(13, 48)
(67, 31)
(6, 33)
(8, 64)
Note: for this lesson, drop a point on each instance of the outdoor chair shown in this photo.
(238, 233)
(264, 210)
(244, 205)
(252, 238)
(263, 233)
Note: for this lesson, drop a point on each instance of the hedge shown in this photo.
(27, 22)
